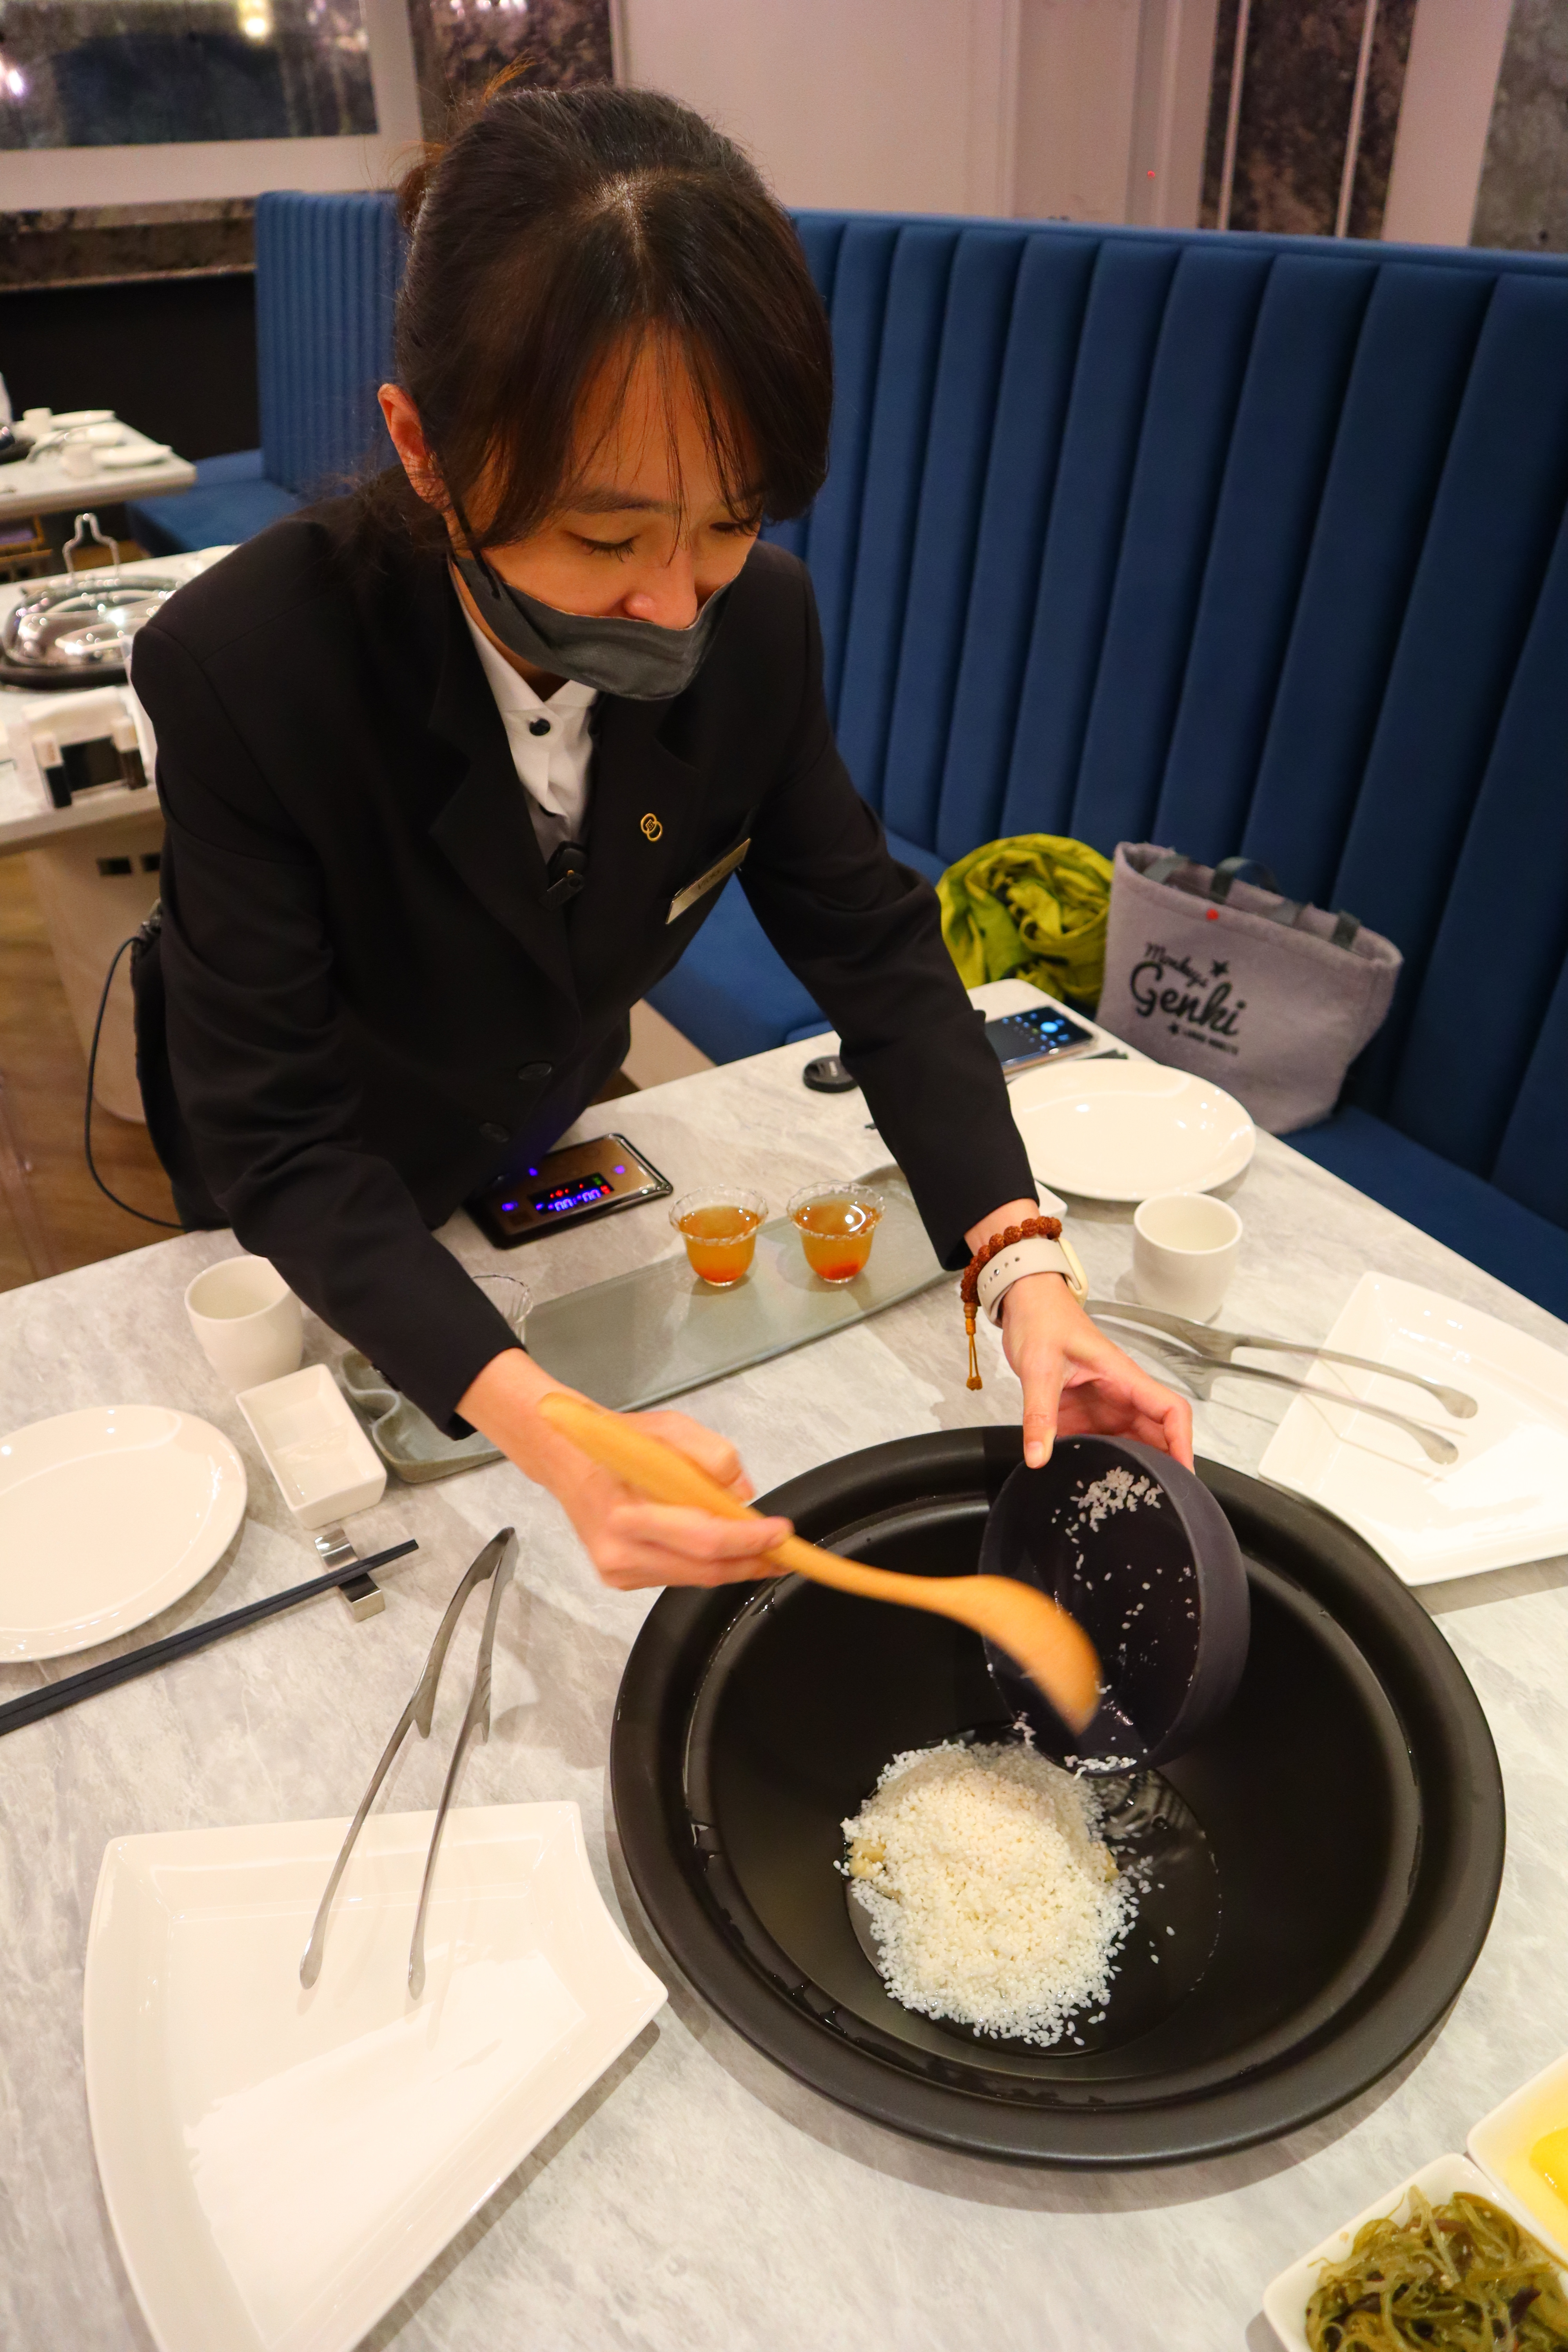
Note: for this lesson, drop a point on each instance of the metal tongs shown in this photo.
(1220, 1347)
(496, 1561)
(1200, 1366)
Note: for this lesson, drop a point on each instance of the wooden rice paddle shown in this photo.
(1052, 1647)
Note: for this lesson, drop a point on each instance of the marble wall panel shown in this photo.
(115, 73)
(83, 244)
(458, 48)
(1523, 199)
(1297, 89)
(459, 45)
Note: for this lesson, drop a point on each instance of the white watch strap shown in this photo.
(1032, 1256)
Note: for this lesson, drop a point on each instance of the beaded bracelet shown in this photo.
(1046, 1229)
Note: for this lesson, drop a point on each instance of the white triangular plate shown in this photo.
(1503, 1501)
(280, 2166)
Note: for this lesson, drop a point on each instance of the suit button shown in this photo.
(531, 1070)
(539, 725)
(494, 1134)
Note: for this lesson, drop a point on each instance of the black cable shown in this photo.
(168, 1223)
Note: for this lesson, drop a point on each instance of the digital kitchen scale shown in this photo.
(578, 1181)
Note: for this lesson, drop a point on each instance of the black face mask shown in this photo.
(639, 659)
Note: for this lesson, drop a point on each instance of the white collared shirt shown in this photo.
(550, 746)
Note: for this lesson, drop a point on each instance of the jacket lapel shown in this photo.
(645, 803)
(483, 826)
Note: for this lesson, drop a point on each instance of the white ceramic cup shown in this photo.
(1185, 1247)
(248, 1319)
(79, 458)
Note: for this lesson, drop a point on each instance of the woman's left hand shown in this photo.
(1075, 1381)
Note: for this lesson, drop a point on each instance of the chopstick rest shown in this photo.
(56, 1696)
(496, 1561)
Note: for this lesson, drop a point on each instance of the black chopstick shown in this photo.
(55, 1696)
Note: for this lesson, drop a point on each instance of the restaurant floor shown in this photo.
(52, 1215)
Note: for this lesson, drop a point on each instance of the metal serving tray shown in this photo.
(648, 1335)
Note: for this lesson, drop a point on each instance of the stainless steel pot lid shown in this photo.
(76, 629)
(70, 627)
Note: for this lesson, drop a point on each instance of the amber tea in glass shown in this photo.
(720, 1230)
(836, 1224)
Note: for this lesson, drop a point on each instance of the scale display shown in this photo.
(562, 1198)
(581, 1180)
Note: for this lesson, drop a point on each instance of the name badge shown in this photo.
(684, 900)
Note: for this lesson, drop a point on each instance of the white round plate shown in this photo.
(125, 461)
(106, 1517)
(74, 416)
(1124, 1130)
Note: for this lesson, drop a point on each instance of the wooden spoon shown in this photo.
(1052, 1647)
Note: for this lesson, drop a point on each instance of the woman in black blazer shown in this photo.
(386, 972)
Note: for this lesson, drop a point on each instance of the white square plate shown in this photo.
(1286, 2300)
(1506, 1497)
(1501, 2142)
(280, 2166)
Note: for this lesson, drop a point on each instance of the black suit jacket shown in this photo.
(368, 997)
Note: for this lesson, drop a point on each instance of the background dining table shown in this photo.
(44, 485)
(698, 2197)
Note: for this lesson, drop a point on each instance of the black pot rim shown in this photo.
(1454, 1884)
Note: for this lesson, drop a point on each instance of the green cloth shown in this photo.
(1035, 905)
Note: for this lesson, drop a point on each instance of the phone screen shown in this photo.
(1035, 1036)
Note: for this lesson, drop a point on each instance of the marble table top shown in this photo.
(699, 2197)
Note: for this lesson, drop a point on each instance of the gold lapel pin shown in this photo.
(651, 827)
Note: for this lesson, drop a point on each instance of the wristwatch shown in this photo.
(1035, 1256)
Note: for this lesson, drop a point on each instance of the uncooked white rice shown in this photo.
(992, 1897)
(1119, 1490)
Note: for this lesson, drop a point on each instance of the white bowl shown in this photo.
(1500, 2143)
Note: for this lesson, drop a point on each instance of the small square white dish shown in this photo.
(1503, 1501)
(280, 2166)
(325, 1466)
(1286, 2299)
(1501, 2142)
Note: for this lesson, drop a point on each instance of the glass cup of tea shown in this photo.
(836, 1224)
(720, 1230)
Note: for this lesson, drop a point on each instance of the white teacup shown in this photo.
(79, 458)
(1185, 1247)
(248, 1319)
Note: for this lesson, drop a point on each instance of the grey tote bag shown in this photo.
(1271, 999)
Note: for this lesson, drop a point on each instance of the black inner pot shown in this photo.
(1325, 1859)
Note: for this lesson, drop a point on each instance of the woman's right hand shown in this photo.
(631, 1542)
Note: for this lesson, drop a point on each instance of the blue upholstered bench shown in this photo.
(326, 280)
(1237, 545)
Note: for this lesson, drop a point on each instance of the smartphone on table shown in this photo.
(1043, 1034)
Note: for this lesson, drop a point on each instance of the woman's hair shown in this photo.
(557, 234)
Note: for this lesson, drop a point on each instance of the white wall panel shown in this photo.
(870, 105)
(1456, 51)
